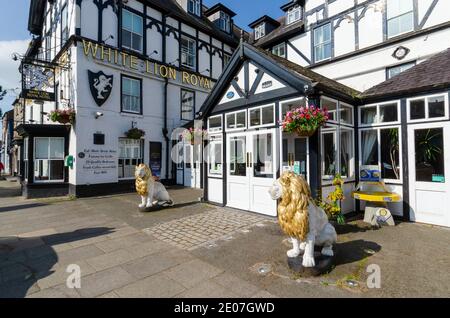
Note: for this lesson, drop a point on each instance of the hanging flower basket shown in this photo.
(304, 121)
(135, 133)
(194, 136)
(62, 116)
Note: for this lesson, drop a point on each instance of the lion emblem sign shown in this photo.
(301, 219)
(151, 192)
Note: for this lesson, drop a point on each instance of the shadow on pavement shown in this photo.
(354, 251)
(21, 207)
(23, 261)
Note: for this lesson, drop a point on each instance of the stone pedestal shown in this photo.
(324, 264)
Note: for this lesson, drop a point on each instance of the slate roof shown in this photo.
(319, 81)
(431, 74)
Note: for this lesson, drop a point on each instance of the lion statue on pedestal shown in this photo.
(300, 218)
(151, 191)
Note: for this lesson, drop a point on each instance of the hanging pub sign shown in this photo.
(101, 86)
(38, 81)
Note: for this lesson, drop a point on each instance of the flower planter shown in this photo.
(65, 116)
(305, 133)
(135, 133)
(304, 121)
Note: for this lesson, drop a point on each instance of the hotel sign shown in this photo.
(38, 81)
(132, 62)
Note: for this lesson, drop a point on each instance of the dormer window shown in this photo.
(224, 22)
(294, 14)
(260, 31)
(194, 7)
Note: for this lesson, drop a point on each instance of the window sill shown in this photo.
(131, 114)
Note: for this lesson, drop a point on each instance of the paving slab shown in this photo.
(191, 273)
(156, 286)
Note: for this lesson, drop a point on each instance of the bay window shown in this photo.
(373, 115)
(322, 43)
(428, 108)
(380, 150)
(132, 31)
(130, 155)
(400, 17)
(48, 159)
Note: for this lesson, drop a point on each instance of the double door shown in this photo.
(251, 170)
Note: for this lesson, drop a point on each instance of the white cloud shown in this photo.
(9, 69)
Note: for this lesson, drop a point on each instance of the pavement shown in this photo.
(195, 249)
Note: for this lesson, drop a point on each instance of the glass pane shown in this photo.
(231, 121)
(56, 170)
(137, 42)
(398, 7)
(406, 22)
(287, 107)
(417, 109)
(255, 117)
(429, 144)
(126, 86)
(41, 148)
(57, 148)
(240, 120)
(369, 148)
(262, 156)
(137, 24)
(267, 115)
(215, 122)
(215, 164)
(238, 158)
(390, 150)
(331, 106)
(329, 154)
(347, 158)
(388, 113)
(41, 172)
(300, 155)
(127, 20)
(346, 115)
(436, 107)
(368, 115)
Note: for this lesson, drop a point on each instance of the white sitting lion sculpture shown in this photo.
(151, 192)
(301, 219)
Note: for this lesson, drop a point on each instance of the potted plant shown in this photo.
(62, 116)
(304, 120)
(333, 206)
(194, 136)
(135, 133)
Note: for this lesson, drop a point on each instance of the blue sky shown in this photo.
(14, 36)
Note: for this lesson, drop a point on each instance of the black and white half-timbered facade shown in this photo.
(120, 65)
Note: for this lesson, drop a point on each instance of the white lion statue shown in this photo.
(151, 192)
(299, 217)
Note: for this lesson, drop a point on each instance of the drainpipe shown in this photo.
(165, 130)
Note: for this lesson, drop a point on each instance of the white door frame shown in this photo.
(434, 189)
(250, 192)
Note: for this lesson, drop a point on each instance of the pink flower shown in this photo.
(302, 115)
(308, 116)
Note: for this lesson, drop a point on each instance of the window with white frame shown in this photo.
(131, 95)
(225, 22)
(180, 153)
(132, 31)
(294, 14)
(400, 17)
(194, 7)
(188, 52)
(396, 70)
(262, 116)
(64, 25)
(380, 149)
(236, 120)
(380, 114)
(322, 43)
(215, 123)
(329, 152)
(260, 31)
(215, 156)
(130, 155)
(291, 105)
(279, 50)
(48, 159)
(428, 108)
(187, 104)
(25, 158)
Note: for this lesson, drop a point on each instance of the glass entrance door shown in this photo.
(251, 158)
(429, 168)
